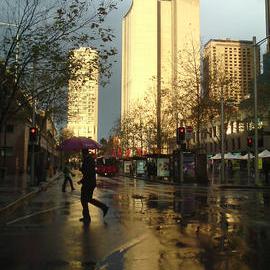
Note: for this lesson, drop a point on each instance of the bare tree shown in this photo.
(35, 49)
(198, 90)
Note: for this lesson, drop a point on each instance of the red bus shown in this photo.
(106, 166)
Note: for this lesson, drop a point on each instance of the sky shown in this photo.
(220, 19)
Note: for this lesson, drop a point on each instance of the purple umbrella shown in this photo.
(76, 144)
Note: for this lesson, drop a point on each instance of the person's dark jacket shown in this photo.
(89, 172)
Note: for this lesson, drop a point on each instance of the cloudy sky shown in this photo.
(235, 19)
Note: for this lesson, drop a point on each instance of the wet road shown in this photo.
(149, 226)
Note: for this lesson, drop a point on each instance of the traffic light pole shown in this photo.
(182, 167)
(180, 138)
(248, 166)
(33, 147)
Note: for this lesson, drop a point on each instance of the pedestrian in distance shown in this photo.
(67, 177)
(88, 183)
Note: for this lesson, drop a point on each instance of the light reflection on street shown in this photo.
(149, 226)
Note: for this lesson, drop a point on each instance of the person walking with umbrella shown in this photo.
(88, 183)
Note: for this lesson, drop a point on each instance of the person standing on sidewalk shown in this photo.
(67, 177)
(88, 183)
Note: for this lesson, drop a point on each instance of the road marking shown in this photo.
(33, 214)
(104, 262)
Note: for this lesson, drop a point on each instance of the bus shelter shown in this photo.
(139, 166)
(158, 166)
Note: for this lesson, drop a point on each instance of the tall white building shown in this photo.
(83, 93)
(154, 32)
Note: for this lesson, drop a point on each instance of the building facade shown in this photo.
(15, 148)
(235, 61)
(154, 33)
(83, 94)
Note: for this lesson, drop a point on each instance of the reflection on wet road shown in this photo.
(149, 226)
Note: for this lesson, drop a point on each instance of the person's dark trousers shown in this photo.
(67, 179)
(87, 197)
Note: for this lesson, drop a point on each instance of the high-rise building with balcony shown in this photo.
(233, 58)
(83, 93)
(154, 33)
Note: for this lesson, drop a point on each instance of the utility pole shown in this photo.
(255, 111)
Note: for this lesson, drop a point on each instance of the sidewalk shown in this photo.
(16, 189)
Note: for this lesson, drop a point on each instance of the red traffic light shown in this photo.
(182, 130)
(249, 141)
(180, 135)
(33, 130)
(33, 134)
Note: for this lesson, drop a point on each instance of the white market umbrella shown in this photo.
(245, 157)
(264, 154)
(238, 156)
(216, 156)
(229, 156)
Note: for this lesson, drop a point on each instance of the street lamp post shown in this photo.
(255, 110)
(222, 136)
(255, 46)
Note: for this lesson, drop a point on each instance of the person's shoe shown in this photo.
(105, 211)
(85, 220)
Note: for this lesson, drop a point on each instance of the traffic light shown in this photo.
(180, 135)
(33, 136)
(249, 141)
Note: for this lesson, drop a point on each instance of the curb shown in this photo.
(171, 183)
(12, 206)
(216, 187)
(241, 187)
